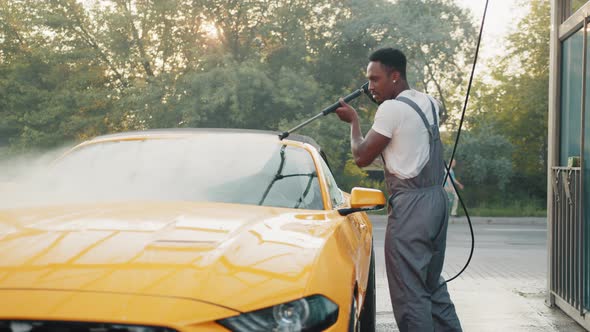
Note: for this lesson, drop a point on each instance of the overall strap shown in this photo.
(433, 132)
(433, 112)
(413, 105)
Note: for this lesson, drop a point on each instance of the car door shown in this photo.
(361, 228)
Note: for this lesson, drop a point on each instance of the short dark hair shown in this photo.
(391, 58)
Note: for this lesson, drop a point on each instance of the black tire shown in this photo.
(368, 313)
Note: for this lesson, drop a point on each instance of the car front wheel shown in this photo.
(367, 319)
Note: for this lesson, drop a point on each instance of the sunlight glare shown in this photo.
(210, 30)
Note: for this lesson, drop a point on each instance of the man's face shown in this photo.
(380, 81)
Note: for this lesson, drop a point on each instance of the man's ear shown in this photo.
(395, 75)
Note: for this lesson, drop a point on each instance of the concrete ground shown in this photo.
(503, 289)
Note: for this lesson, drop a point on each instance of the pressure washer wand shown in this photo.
(364, 88)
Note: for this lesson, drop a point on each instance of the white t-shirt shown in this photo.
(408, 151)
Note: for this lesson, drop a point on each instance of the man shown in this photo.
(405, 134)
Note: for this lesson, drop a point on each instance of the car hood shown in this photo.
(235, 256)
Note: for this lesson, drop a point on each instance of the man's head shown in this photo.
(387, 74)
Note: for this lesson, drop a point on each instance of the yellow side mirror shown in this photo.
(364, 199)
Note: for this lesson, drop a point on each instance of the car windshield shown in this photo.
(232, 168)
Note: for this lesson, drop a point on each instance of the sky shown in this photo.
(501, 19)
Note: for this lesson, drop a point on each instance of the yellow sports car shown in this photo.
(188, 230)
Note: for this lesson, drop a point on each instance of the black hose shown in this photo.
(457, 142)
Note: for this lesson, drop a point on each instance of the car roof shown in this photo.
(188, 131)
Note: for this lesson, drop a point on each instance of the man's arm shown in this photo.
(364, 150)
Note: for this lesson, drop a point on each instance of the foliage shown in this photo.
(514, 105)
(74, 69)
(508, 208)
(70, 70)
(485, 157)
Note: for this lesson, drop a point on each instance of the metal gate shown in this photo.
(567, 241)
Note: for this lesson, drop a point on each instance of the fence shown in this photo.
(567, 241)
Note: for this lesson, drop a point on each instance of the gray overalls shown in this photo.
(415, 242)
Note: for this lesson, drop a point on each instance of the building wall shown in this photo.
(569, 136)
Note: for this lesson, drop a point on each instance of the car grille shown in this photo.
(63, 326)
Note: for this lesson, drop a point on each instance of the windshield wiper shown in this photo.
(307, 187)
(277, 176)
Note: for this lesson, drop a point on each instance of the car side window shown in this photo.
(335, 194)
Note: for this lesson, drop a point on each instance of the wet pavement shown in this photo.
(504, 287)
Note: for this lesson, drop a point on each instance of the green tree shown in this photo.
(516, 102)
(484, 162)
(436, 35)
(72, 69)
(51, 91)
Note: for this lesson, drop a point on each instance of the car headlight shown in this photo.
(309, 313)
